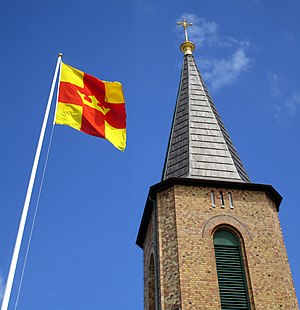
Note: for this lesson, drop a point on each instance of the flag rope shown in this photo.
(34, 218)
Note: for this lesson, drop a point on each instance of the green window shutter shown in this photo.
(230, 270)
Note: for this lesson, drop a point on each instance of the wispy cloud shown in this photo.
(223, 72)
(205, 32)
(285, 102)
(275, 82)
(219, 72)
(202, 32)
(288, 109)
(146, 6)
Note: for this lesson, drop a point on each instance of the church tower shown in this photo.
(211, 238)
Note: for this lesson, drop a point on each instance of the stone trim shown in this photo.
(217, 220)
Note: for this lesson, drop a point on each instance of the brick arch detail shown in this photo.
(151, 283)
(150, 252)
(217, 220)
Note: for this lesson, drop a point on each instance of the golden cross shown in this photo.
(185, 25)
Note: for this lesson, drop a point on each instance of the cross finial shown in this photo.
(185, 25)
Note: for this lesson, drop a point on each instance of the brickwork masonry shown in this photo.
(187, 217)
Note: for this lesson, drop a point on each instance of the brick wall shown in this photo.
(148, 253)
(187, 269)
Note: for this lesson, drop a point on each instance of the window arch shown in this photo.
(230, 270)
(151, 285)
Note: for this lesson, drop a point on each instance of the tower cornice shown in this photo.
(269, 190)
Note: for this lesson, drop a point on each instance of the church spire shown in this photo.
(199, 145)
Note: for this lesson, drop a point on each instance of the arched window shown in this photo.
(151, 285)
(230, 270)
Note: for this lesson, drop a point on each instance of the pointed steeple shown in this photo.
(199, 145)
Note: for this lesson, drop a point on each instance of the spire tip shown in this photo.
(186, 47)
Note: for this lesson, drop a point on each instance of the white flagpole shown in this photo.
(14, 261)
(55, 111)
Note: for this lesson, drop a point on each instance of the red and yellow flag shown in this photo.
(92, 106)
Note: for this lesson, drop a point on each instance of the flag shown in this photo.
(92, 106)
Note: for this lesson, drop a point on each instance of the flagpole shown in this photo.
(14, 261)
(56, 103)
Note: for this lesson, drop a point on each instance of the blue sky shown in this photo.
(83, 253)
